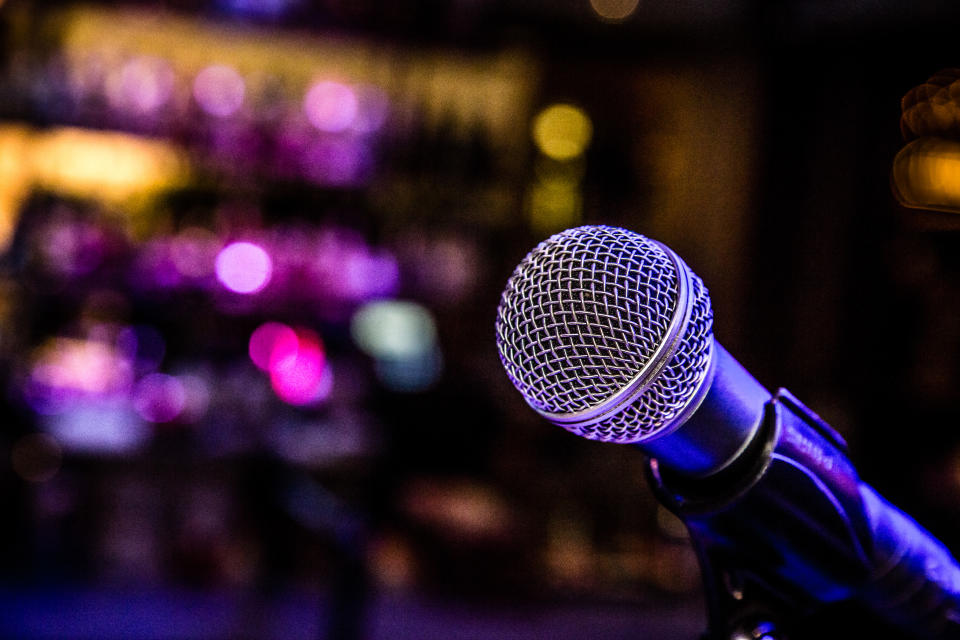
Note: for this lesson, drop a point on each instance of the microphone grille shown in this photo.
(592, 310)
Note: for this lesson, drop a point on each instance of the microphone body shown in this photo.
(788, 526)
(609, 335)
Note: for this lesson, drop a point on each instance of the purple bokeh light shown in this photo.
(159, 397)
(219, 90)
(244, 267)
(193, 252)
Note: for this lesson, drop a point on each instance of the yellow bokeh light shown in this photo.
(562, 131)
(614, 10)
(926, 175)
(103, 165)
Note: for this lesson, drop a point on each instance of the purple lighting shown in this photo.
(219, 90)
(337, 162)
(244, 267)
(330, 106)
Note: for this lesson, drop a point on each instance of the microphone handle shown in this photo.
(789, 528)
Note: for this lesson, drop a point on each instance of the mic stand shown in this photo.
(787, 536)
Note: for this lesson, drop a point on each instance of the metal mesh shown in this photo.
(583, 314)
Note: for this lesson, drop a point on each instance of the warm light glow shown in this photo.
(84, 366)
(926, 175)
(562, 131)
(495, 89)
(219, 90)
(15, 177)
(103, 166)
(244, 267)
(614, 10)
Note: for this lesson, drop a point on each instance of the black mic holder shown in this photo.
(791, 543)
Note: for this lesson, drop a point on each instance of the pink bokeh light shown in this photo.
(330, 106)
(270, 342)
(143, 85)
(298, 371)
(244, 267)
(219, 90)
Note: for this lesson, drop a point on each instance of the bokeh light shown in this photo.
(271, 342)
(100, 425)
(614, 10)
(219, 90)
(142, 85)
(926, 174)
(373, 107)
(159, 397)
(330, 106)
(193, 252)
(562, 131)
(244, 267)
(394, 329)
(299, 373)
(401, 336)
(36, 457)
(106, 166)
(72, 366)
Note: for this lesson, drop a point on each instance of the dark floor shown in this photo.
(153, 613)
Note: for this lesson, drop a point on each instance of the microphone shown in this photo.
(609, 334)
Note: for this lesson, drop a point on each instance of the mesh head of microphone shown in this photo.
(606, 333)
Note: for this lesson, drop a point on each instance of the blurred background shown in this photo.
(251, 252)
